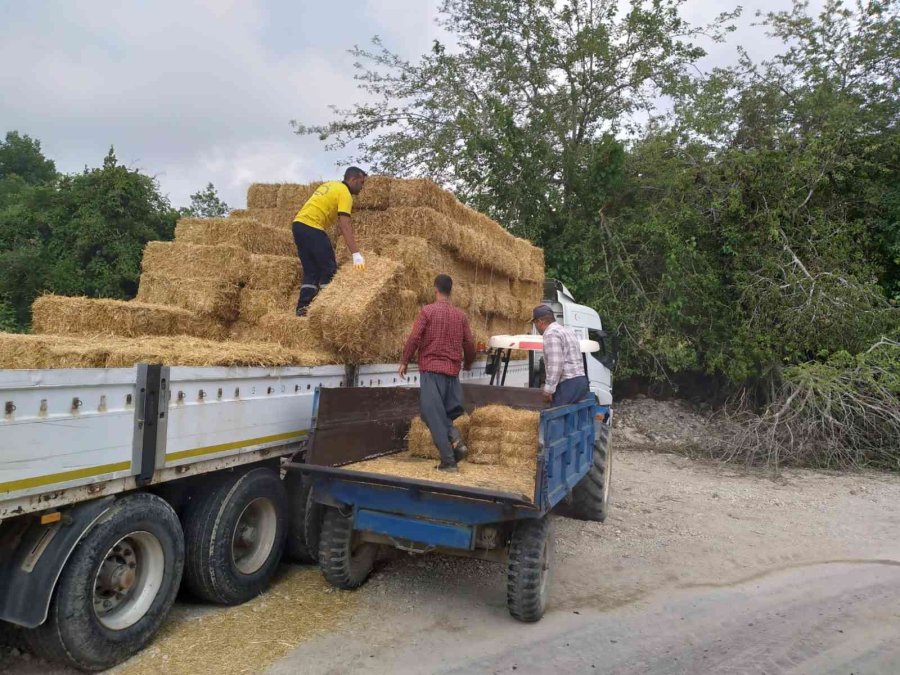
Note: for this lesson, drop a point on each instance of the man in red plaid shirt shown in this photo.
(444, 341)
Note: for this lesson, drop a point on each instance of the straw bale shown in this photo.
(376, 194)
(518, 481)
(186, 351)
(51, 351)
(419, 440)
(213, 297)
(503, 435)
(255, 303)
(294, 196)
(194, 261)
(246, 233)
(262, 196)
(292, 332)
(356, 314)
(59, 315)
(274, 272)
(418, 192)
(240, 213)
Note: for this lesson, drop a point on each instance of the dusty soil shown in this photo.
(679, 530)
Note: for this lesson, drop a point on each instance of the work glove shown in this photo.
(358, 261)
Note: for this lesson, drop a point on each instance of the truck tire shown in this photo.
(304, 520)
(235, 532)
(529, 568)
(117, 587)
(346, 562)
(590, 498)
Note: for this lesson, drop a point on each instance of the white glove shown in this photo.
(358, 261)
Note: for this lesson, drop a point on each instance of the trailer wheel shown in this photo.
(590, 498)
(529, 569)
(235, 534)
(305, 520)
(346, 561)
(117, 587)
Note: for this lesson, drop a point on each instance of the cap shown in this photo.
(541, 311)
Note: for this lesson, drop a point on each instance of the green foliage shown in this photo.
(755, 226)
(81, 234)
(206, 204)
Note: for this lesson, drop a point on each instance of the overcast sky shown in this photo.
(200, 91)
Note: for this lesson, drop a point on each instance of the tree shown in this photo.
(206, 204)
(20, 155)
(81, 234)
(521, 116)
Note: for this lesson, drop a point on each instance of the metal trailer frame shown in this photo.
(421, 516)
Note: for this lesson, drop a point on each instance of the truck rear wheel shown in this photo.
(346, 561)
(590, 498)
(305, 520)
(235, 534)
(529, 569)
(116, 588)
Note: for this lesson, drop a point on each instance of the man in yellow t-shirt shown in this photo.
(331, 200)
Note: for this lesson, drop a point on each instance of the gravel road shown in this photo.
(698, 569)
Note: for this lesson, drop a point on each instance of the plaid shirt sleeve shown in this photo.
(414, 340)
(553, 360)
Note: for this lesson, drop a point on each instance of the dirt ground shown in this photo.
(690, 549)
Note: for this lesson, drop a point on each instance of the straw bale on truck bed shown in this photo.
(246, 233)
(186, 351)
(255, 304)
(193, 261)
(420, 443)
(51, 351)
(294, 333)
(500, 435)
(60, 315)
(274, 272)
(214, 297)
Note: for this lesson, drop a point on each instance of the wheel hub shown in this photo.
(127, 580)
(254, 536)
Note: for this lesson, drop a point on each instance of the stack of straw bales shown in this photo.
(504, 436)
(419, 440)
(497, 277)
(223, 292)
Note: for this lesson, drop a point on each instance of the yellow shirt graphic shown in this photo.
(327, 202)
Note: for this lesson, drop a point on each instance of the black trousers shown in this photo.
(317, 257)
(440, 402)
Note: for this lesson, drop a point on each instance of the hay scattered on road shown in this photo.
(298, 606)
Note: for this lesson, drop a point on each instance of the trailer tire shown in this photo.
(345, 561)
(137, 544)
(304, 520)
(235, 533)
(590, 498)
(529, 568)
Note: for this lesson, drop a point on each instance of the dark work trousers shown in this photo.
(572, 390)
(440, 402)
(317, 257)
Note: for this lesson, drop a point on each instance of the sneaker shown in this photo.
(460, 452)
(449, 468)
(301, 311)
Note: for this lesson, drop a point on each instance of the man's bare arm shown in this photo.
(346, 229)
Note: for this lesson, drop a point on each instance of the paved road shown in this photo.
(834, 617)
